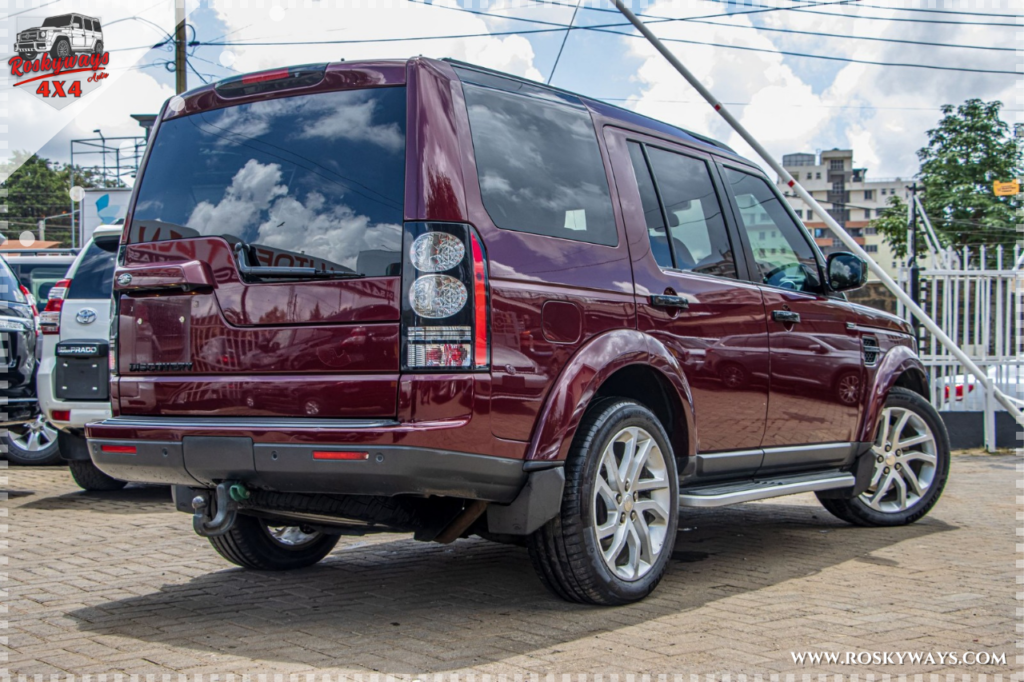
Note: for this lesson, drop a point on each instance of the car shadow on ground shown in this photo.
(133, 499)
(408, 606)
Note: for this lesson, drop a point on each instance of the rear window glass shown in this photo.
(539, 165)
(313, 180)
(94, 275)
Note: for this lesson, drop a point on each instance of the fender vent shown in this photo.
(871, 351)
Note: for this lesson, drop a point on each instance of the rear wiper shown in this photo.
(272, 272)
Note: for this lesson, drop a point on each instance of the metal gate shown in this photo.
(976, 298)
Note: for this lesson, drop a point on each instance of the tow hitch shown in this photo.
(227, 495)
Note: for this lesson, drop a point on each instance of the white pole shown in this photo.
(843, 235)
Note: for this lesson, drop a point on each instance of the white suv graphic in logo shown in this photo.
(61, 36)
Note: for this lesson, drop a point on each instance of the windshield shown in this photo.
(308, 181)
(58, 21)
(10, 287)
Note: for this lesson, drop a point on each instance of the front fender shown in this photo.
(584, 374)
(896, 361)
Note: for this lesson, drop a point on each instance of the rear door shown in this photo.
(306, 181)
(85, 313)
(690, 294)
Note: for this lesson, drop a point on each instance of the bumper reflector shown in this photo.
(334, 454)
(60, 415)
(118, 449)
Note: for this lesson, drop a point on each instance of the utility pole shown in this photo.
(180, 75)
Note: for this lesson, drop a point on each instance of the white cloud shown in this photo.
(795, 104)
(385, 19)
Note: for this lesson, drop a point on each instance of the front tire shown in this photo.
(613, 538)
(33, 443)
(255, 544)
(61, 49)
(27, 56)
(911, 453)
(88, 477)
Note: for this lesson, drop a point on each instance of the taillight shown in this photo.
(444, 298)
(49, 319)
(960, 391)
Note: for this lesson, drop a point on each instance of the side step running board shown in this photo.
(761, 489)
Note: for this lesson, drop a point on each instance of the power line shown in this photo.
(694, 20)
(744, 104)
(848, 60)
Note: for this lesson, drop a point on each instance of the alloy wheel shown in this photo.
(63, 49)
(905, 455)
(292, 536)
(632, 499)
(33, 436)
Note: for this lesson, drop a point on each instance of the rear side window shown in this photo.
(696, 239)
(307, 181)
(94, 275)
(539, 165)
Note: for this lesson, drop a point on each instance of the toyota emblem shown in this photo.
(85, 316)
(124, 279)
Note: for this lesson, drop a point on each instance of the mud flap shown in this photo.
(862, 470)
(537, 503)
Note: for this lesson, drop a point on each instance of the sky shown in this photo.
(789, 103)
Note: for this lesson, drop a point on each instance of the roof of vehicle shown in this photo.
(40, 255)
(107, 231)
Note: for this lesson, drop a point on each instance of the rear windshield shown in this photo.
(94, 275)
(313, 180)
(39, 277)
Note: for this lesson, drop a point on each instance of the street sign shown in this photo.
(1006, 189)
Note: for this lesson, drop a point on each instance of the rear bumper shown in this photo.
(386, 470)
(82, 412)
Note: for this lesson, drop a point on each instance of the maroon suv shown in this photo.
(424, 296)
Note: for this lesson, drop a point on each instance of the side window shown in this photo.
(88, 25)
(77, 22)
(539, 164)
(696, 228)
(652, 209)
(96, 25)
(782, 252)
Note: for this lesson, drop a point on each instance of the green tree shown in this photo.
(36, 188)
(893, 225)
(970, 149)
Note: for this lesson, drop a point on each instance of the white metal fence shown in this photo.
(975, 296)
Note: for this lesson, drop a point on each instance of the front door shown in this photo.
(817, 370)
(690, 293)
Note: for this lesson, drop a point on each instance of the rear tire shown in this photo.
(911, 453)
(251, 543)
(88, 477)
(613, 538)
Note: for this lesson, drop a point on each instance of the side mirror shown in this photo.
(846, 271)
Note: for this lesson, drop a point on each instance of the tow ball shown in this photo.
(221, 519)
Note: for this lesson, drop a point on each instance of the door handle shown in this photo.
(786, 316)
(669, 301)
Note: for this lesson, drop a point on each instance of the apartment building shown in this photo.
(848, 195)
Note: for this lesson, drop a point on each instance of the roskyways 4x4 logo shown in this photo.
(61, 59)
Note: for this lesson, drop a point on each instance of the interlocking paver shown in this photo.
(117, 582)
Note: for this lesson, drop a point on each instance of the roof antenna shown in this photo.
(843, 235)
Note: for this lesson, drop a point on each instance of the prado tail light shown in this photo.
(444, 298)
(49, 319)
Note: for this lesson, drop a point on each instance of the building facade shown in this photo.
(848, 195)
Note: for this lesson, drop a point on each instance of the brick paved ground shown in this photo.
(112, 582)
